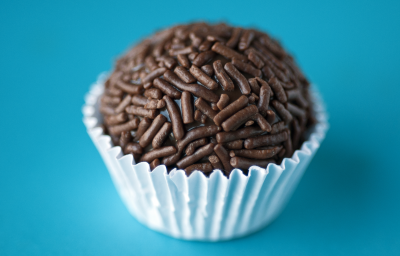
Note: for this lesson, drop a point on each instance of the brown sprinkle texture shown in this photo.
(115, 119)
(157, 153)
(247, 68)
(195, 144)
(196, 156)
(154, 74)
(222, 76)
(155, 126)
(141, 111)
(118, 129)
(255, 88)
(195, 89)
(183, 60)
(124, 103)
(208, 69)
(153, 93)
(176, 118)
(239, 118)
(236, 144)
(264, 125)
(246, 163)
(166, 88)
(161, 135)
(242, 133)
(227, 52)
(265, 140)
(246, 39)
(256, 153)
(224, 157)
(203, 58)
(255, 60)
(231, 109)
(125, 138)
(184, 75)
(142, 128)
(277, 127)
(270, 117)
(204, 97)
(139, 100)
(203, 78)
(215, 162)
(263, 103)
(187, 108)
(223, 101)
(154, 163)
(133, 148)
(238, 77)
(130, 88)
(203, 106)
(111, 100)
(203, 167)
(233, 41)
(198, 115)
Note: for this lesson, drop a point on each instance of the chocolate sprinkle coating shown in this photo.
(233, 88)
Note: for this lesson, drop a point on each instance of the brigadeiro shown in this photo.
(204, 97)
(205, 129)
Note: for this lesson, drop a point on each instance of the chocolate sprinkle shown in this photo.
(203, 97)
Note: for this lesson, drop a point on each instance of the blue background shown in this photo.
(56, 197)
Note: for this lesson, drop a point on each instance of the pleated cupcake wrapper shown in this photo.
(197, 207)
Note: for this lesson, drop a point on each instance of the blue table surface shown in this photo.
(56, 196)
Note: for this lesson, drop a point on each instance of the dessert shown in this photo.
(204, 97)
(226, 101)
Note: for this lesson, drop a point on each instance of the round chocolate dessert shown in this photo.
(204, 97)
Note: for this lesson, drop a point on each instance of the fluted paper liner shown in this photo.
(198, 207)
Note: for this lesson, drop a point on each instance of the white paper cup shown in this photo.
(201, 208)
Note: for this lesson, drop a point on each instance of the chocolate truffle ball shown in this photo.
(205, 97)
